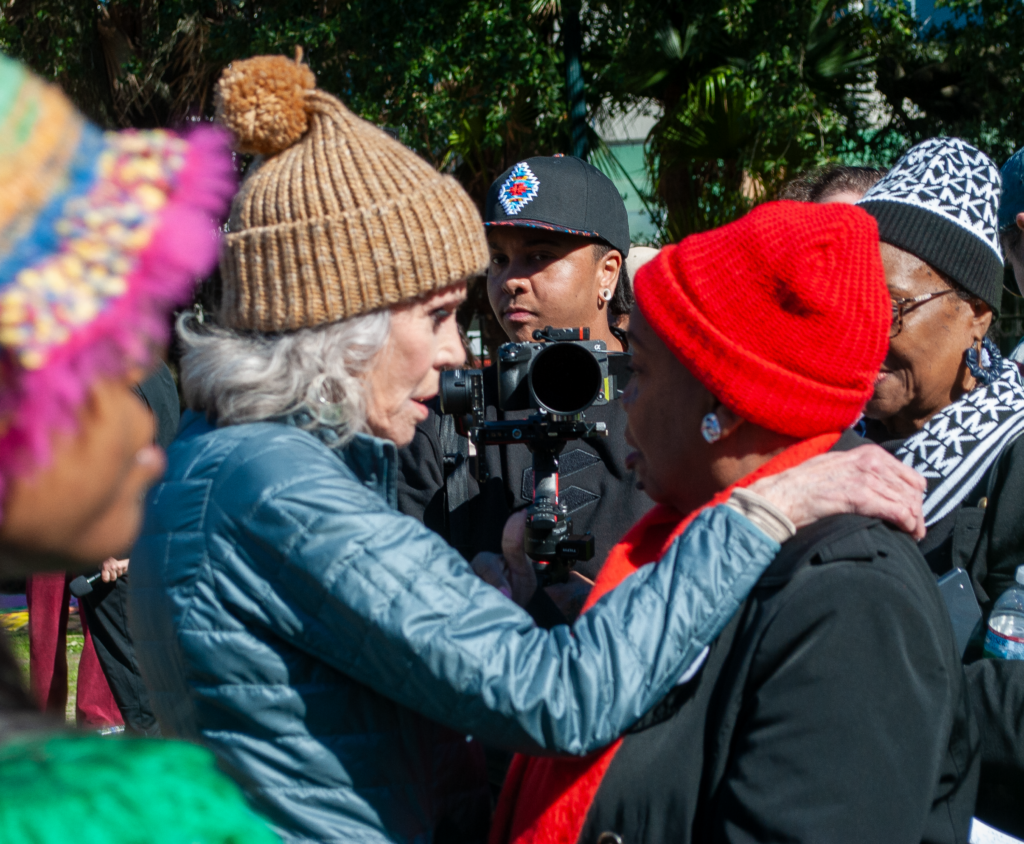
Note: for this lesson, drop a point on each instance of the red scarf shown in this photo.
(544, 800)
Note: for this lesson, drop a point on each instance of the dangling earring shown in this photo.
(606, 294)
(981, 359)
(711, 428)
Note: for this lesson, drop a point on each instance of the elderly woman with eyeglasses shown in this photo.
(946, 402)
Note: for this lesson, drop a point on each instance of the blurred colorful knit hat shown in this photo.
(97, 790)
(101, 235)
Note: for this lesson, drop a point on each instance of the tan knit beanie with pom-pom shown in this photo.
(335, 218)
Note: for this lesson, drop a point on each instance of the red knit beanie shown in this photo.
(784, 315)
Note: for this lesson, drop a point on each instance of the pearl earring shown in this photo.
(711, 428)
(606, 294)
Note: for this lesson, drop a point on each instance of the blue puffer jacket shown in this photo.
(287, 616)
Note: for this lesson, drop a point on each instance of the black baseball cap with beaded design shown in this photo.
(559, 193)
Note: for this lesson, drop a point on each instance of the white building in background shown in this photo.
(625, 136)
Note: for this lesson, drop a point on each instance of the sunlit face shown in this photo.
(665, 404)
(87, 503)
(538, 278)
(424, 339)
(924, 370)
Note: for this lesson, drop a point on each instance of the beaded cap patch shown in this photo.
(518, 189)
(99, 232)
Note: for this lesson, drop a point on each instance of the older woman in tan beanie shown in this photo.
(335, 654)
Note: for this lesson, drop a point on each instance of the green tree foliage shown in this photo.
(472, 86)
(749, 92)
(963, 78)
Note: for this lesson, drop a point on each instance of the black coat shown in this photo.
(985, 536)
(997, 697)
(833, 708)
(599, 491)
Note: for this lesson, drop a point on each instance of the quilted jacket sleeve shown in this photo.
(326, 565)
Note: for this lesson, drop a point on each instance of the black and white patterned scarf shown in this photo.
(958, 445)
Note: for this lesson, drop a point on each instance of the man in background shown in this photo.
(106, 606)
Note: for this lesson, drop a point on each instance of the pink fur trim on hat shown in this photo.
(40, 403)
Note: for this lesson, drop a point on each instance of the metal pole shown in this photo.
(573, 43)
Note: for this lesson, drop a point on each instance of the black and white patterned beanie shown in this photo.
(941, 203)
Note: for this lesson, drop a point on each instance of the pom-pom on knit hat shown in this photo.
(941, 203)
(335, 218)
(783, 315)
(102, 234)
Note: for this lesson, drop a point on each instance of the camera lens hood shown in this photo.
(565, 378)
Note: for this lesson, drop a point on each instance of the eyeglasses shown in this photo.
(901, 306)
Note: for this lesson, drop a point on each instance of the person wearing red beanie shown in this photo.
(832, 707)
(784, 314)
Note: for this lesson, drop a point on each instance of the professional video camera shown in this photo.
(560, 377)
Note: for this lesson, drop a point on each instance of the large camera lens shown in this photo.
(565, 378)
(456, 392)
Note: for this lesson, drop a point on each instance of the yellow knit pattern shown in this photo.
(37, 141)
(343, 222)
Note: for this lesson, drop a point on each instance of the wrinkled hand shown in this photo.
(866, 480)
(491, 568)
(510, 572)
(112, 569)
(520, 569)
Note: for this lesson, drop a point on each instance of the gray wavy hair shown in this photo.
(238, 377)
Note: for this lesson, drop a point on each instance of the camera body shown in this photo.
(560, 377)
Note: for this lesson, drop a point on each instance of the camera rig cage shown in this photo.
(560, 376)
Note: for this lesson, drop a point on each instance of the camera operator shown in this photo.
(558, 237)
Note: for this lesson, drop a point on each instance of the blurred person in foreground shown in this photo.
(947, 404)
(334, 653)
(558, 243)
(833, 706)
(101, 235)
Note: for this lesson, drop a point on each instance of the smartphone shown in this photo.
(962, 605)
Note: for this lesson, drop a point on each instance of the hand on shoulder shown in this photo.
(866, 480)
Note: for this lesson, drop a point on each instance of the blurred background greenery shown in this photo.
(698, 109)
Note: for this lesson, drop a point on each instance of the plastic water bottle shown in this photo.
(1005, 636)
